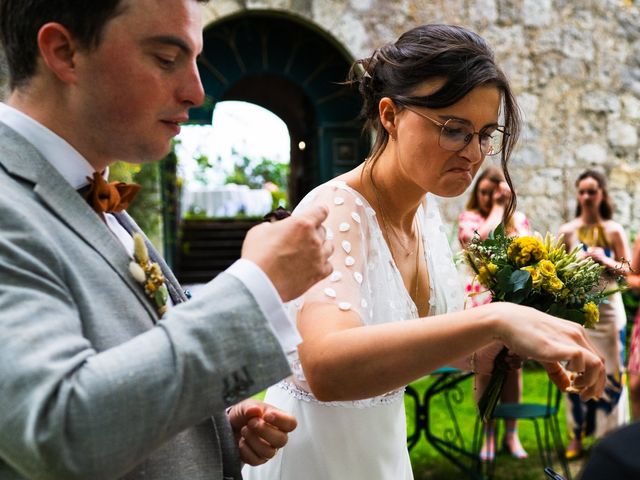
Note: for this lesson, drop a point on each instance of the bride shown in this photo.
(391, 311)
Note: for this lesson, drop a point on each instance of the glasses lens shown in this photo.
(455, 135)
(491, 143)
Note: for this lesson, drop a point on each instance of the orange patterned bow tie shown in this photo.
(108, 197)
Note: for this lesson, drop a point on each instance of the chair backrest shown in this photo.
(554, 396)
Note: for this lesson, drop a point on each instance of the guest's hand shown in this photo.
(501, 194)
(260, 430)
(597, 255)
(294, 252)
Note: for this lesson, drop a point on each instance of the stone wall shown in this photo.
(574, 65)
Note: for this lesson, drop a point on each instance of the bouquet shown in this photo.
(538, 273)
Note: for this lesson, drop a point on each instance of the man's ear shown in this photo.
(57, 49)
(388, 112)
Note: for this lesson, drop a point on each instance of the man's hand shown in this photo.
(260, 430)
(294, 252)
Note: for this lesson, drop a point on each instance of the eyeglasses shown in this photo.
(457, 134)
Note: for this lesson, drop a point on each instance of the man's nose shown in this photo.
(191, 90)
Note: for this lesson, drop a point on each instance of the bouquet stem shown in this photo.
(491, 395)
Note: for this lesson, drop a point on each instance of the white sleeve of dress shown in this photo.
(347, 227)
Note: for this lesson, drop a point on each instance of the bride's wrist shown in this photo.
(496, 321)
(472, 360)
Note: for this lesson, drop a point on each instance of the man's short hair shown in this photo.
(20, 21)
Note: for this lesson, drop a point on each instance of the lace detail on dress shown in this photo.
(300, 394)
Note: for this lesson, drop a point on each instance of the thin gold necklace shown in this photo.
(419, 242)
(385, 219)
(391, 250)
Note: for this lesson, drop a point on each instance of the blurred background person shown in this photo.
(485, 209)
(633, 369)
(605, 241)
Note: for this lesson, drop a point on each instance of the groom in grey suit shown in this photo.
(94, 382)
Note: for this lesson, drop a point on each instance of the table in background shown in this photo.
(452, 445)
(226, 201)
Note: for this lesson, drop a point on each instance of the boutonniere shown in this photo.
(149, 275)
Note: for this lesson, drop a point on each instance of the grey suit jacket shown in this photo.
(92, 384)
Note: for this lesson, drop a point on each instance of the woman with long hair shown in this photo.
(605, 241)
(391, 312)
(485, 210)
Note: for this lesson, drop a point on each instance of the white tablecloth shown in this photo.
(226, 201)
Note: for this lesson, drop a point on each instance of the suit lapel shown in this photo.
(22, 160)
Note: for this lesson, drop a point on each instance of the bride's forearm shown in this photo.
(361, 362)
(464, 363)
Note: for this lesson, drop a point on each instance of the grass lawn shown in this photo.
(430, 464)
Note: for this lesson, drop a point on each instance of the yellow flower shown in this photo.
(486, 273)
(525, 251)
(148, 274)
(150, 287)
(156, 270)
(547, 269)
(554, 285)
(591, 314)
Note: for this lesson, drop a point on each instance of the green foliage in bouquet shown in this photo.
(537, 273)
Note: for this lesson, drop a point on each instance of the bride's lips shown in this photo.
(460, 170)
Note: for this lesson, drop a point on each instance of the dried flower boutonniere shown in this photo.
(149, 275)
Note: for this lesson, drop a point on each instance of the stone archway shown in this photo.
(295, 70)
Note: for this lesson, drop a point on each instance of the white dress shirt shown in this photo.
(75, 169)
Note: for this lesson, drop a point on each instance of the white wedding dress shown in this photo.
(364, 439)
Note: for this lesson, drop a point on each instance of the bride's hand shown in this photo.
(533, 334)
(485, 358)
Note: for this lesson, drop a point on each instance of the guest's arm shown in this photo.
(619, 264)
(633, 277)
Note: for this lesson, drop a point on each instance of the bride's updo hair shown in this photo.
(454, 54)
